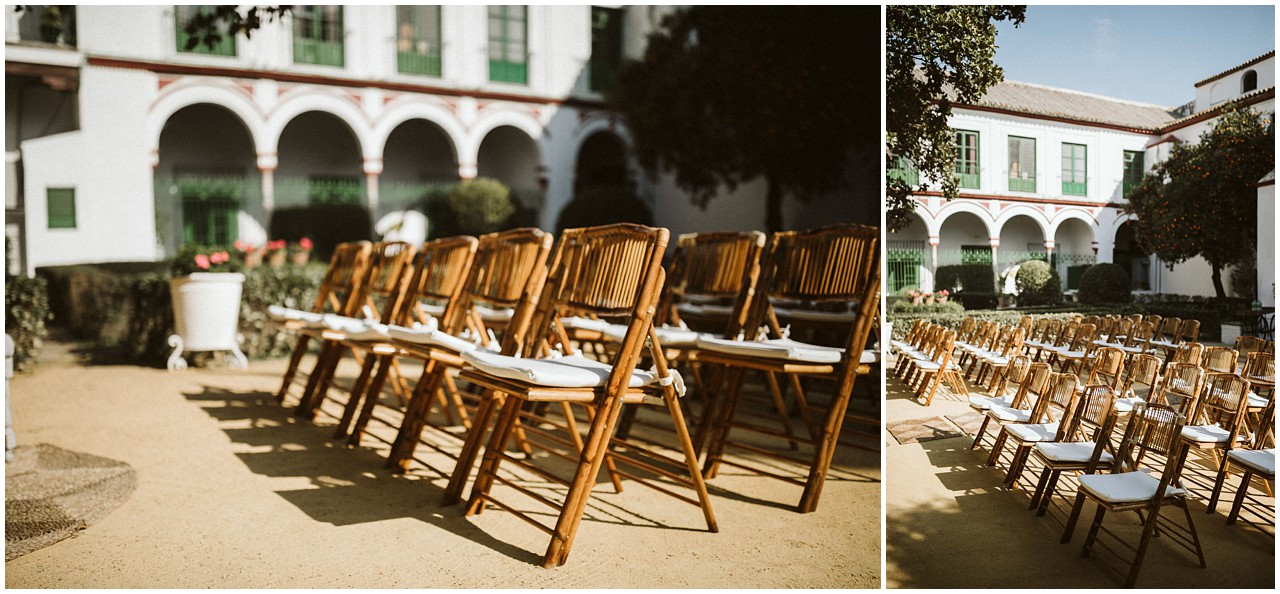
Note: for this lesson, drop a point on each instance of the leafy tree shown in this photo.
(209, 26)
(935, 56)
(1202, 200)
(727, 94)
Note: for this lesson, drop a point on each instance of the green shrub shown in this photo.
(326, 224)
(1244, 278)
(974, 278)
(290, 286)
(1105, 283)
(937, 308)
(26, 309)
(480, 205)
(603, 205)
(1038, 284)
(977, 300)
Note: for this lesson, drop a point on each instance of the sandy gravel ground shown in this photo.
(949, 524)
(235, 493)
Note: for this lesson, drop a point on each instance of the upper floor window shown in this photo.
(61, 204)
(318, 35)
(508, 44)
(1249, 82)
(418, 39)
(903, 169)
(967, 159)
(606, 47)
(1074, 165)
(1022, 164)
(1133, 170)
(48, 24)
(183, 14)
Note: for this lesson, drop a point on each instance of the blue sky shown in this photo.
(1154, 54)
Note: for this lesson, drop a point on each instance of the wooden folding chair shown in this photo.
(831, 265)
(613, 272)
(1038, 424)
(378, 300)
(1074, 445)
(1141, 378)
(1217, 425)
(337, 292)
(508, 266)
(1180, 387)
(1030, 392)
(1260, 371)
(1152, 428)
(1006, 387)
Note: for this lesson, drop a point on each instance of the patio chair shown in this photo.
(1256, 460)
(1063, 340)
(1006, 388)
(1033, 386)
(1152, 429)
(1052, 412)
(1188, 331)
(836, 264)
(1077, 346)
(1180, 387)
(1139, 339)
(1217, 425)
(1219, 360)
(1115, 337)
(609, 271)
(995, 361)
(984, 338)
(1141, 378)
(928, 350)
(1244, 346)
(1088, 433)
(1260, 371)
(340, 284)
(940, 370)
(1188, 352)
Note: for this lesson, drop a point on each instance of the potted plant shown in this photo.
(300, 253)
(943, 295)
(205, 294)
(276, 253)
(916, 297)
(248, 253)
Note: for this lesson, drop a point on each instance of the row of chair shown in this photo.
(509, 316)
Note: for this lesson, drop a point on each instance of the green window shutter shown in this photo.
(508, 44)
(182, 15)
(903, 169)
(967, 159)
(62, 207)
(1074, 167)
(606, 47)
(418, 40)
(1022, 164)
(1134, 167)
(318, 35)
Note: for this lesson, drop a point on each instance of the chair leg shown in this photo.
(492, 456)
(1073, 518)
(826, 445)
(1047, 496)
(489, 403)
(414, 418)
(1093, 531)
(1191, 525)
(1241, 493)
(370, 401)
(776, 392)
(1040, 485)
(720, 429)
(1148, 529)
(357, 394)
(1217, 484)
(318, 383)
(295, 360)
(997, 447)
(1015, 467)
(690, 459)
(977, 439)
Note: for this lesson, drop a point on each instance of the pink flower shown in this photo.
(305, 243)
(244, 246)
(219, 257)
(275, 244)
(202, 261)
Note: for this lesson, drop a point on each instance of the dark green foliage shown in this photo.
(1244, 277)
(209, 27)
(603, 205)
(290, 286)
(935, 55)
(481, 205)
(1210, 314)
(1105, 283)
(977, 299)
(326, 224)
(727, 94)
(950, 307)
(970, 278)
(1038, 284)
(26, 310)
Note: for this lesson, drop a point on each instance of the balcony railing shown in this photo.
(1075, 188)
(968, 181)
(1017, 184)
(415, 63)
(908, 175)
(314, 51)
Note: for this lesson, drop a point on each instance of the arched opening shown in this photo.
(419, 164)
(320, 189)
(207, 187)
(963, 239)
(602, 161)
(1073, 251)
(1249, 82)
(1021, 239)
(909, 257)
(510, 156)
(1129, 255)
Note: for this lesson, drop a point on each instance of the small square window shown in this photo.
(62, 207)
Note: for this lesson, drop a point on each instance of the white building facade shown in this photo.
(122, 144)
(1043, 173)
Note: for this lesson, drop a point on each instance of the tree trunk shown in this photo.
(772, 206)
(1217, 281)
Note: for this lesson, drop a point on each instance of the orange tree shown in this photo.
(1202, 200)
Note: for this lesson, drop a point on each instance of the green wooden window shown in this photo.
(902, 169)
(1074, 165)
(975, 254)
(1133, 170)
(209, 208)
(335, 190)
(1022, 164)
(606, 47)
(62, 207)
(904, 268)
(183, 14)
(418, 40)
(318, 35)
(967, 164)
(508, 44)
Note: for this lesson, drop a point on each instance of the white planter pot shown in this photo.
(206, 313)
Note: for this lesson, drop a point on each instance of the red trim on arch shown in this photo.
(1028, 199)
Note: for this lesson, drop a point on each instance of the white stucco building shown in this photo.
(1043, 172)
(121, 144)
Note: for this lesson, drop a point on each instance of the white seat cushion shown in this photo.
(934, 366)
(985, 402)
(574, 371)
(581, 323)
(1126, 487)
(288, 314)
(488, 314)
(1256, 401)
(1008, 415)
(776, 348)
(1038, 432)
(1208, 434)
(869, 356)
(816, 316)
(1073, 354)
(1071, 451)
(355, 329)
(1262, 462)
(669, 336)
(420, 334)
(690, 309)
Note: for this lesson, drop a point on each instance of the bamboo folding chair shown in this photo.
(1141, 377)
(1260, 371)
(1037, 334)
(438, 270)
(1217, 425)
(1119, 331)
(1152, 429)
(1246, 345)
(940, 370)
(1062, 340)
(1067, 452)
(341, 283)
(830, 265)
(1181, 387)
(1033, 385)
(995, 361)
(612, 271)
(1219, 360)
(1076, 347)
(1139, 339)
(1257, 462)
(390, 265)
(1039, 424)
(508, 266)
(1188, 352)
(926, 349)
(986, 338)
(1015, 373)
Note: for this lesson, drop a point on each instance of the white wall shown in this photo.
(1267, 245)
(1228, 87)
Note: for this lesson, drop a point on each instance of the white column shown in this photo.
(267, 163)
(372, 169)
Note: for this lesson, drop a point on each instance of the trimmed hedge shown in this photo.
(1105, 283)
(972, 278)
(603, 205)
(1038, 284)
(26, 310)
(903, 306)
(290, 286)
(977, 300)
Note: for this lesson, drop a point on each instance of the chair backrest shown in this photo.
(1106, 326)
(967, 327)
(1181, 387)
(1168, 329)
(1189, 331)
(1219, 360)
(1248, 344)
(1222, 402)
(1260, 366)
(721, 266)
(508, 267)
(383, 288)
(1082, 338)
(1068, 334)
(1033, 383)
(1052, 328)
(347, 268)
(1025, 324)
(1140, 335)
(1120, 330)
(1189, 352)
(1152, 428)
(1141, 376)
(438, 271)
(1107, 367)
(1014, 373)
(1090, 319)
(1092, 412)
(1060, 397)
